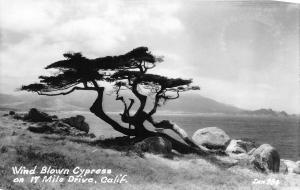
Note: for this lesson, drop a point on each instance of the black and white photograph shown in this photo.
(149, 94)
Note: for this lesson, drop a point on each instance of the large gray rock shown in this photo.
(77, 122)
(18, 116)
(60, 128)
(226, 161)
(292, 167)
(41, 129)
(57, 127)
(297, 169)
(236, 146)
(240, 146)
(155, 145)
(211, 137)
(12, 113)
(35, 115)
(283, 167)
(266, 159)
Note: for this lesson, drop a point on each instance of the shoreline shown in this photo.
(232, 178)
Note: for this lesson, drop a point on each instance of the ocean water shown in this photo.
(282, 133)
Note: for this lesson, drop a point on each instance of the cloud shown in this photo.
(245, 54)
(27, 16)
(34, 33)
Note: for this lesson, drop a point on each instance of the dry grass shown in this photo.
(151, 172)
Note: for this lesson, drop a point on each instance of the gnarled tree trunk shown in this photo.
(97, 109)
(140, 132)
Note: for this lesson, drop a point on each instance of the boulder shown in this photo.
(226, 161)
(265, 159)
(292, 167)
(242, 158)
(235, 146)
(59, 127)
(40, 129)
(240, 146)
(248, 144)
(77, 122)
(211, 137)
(54, 117)
(18, 116)
(155, 145)
(251, 151)
(14, 133)
(92, 135)
(35, 115)
(12, 113)
(283, 167)
(297, 169)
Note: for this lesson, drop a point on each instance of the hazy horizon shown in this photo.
(85, 100)
(240, 53)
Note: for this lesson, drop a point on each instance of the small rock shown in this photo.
(18, 116)
(92, 135)
(226, 161)
(12, 113)
(54, 117)
(291, 165)
(211, 137)
(296, 170)
(283, 167)
(240, 146)
(241, 156)
(14, 133)
(235, 146)
(35, 115)
(59, 125)
(77, 122)
(155, 145)
(42, 129)
(3, 149)
(266, 159)
(251, 151)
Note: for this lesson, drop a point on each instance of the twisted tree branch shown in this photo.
(68, 92)
(97, 109)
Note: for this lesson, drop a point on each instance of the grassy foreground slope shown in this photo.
(20, 147)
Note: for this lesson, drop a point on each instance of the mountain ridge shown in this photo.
(187, 103)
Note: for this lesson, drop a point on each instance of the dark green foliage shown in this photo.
(35, 87)
(129, 60)
(76, 69)
(148, 79)
(124, 72)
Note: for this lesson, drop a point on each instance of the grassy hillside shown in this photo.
(20, 147)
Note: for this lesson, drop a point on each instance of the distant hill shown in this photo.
(25, 102)
(266, 112)
(187, 103)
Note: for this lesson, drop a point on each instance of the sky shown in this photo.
(241, 53)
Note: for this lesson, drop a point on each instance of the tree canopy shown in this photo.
(123, 71)
(130, 72)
